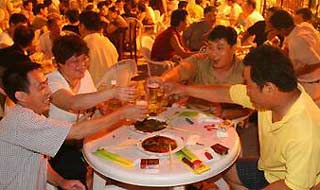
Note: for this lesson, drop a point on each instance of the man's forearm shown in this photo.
(90, 127)
(53, 177)
(172, 75)
(212, 93)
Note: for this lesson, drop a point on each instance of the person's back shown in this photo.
(102, 52)
(197, 33)
(303, 45)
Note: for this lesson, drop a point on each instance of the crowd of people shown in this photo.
(47, 114)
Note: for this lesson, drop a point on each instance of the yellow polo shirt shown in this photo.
(290, 148)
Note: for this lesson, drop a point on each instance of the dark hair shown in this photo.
(114, 9)
(47, 3)
(209, 9)
(270, 64)
(101, 4)
(38, 8)
(26, 2)
(305, 12)
(90, 20)
(178, 16)
(52, 21)
(281, 20)
(198, 2)
(72, 15)
(142, 7)
(18, 18)
(182, 4)
(224, 32)
(252, 3)
(89, 7)
(23, 36)
(67, 46)
(16, 79)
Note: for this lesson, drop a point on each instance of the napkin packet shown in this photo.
(199, 117)
(190, 159)
(116, 158)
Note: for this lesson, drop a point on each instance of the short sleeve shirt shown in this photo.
(25, 137)
(197, 69)
(289, 148)
(57, 82)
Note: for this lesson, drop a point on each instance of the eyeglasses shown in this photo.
(77, 61)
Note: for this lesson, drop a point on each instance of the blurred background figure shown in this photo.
(195, 35)
(304, 16)
(169, 42)
(73, 21)
(27, 10)
(249, 15)
(235, 11)
(261, 30)
(15, 20)
(103, 53)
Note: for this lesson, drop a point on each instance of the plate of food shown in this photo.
(160, 144)
(149, 125)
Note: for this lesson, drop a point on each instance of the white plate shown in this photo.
(179, 141)
(133, 128)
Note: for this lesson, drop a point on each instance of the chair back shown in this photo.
(133, 36)
(155, 68)
(121, 72)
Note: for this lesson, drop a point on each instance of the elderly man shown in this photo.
(289, 123)
(302, 43)
(218, 65)
(197, 33)
(27, 137)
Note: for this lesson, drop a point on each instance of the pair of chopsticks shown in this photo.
(170, 156)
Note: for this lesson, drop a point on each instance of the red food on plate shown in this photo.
(159, 144)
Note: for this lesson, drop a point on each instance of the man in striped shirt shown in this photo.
(27, 137)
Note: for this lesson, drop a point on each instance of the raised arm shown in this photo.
(212, 93)
(178, 48)
(174, 74)
(66, 100)
(90, 127)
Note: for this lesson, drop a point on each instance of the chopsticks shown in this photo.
(170, 156)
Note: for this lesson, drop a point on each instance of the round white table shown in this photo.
(172, 172)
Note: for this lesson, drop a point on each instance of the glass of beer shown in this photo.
(154, 96)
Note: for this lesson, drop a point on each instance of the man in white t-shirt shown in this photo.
(303, 46)
(102, 52)
(250, 15)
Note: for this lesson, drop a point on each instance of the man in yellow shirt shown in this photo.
(289, 123)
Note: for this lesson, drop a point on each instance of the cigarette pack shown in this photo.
(149, 163)
(190, 159)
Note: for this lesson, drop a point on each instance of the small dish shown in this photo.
(177, 139)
